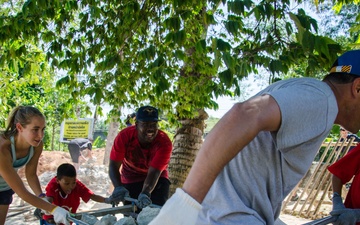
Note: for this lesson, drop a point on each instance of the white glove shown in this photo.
(180, 209)
(60, 215)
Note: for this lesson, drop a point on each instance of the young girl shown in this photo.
(21, 145)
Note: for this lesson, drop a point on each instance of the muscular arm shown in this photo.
(151, 180)
(114, 173)
(229, 136)
(336, 184)
(31, 169)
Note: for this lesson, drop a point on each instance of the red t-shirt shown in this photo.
(137, 160)
(70, 202)
(346, 168)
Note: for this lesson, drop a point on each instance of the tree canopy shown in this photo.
(178, 55)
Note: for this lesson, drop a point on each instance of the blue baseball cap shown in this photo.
(349, 62)
(147, 114)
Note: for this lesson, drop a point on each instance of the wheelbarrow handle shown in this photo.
(76, 221)
(323, 221)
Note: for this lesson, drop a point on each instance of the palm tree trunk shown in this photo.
(187, 142)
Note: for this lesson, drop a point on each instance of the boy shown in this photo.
(65, 190)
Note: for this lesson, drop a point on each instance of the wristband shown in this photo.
(42, 195)
(53, 210)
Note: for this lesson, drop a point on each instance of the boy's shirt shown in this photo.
(70, 202)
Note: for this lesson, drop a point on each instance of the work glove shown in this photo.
(109, 200)
(143, 200)
(346, 216)
(119, 194)
(180, 209)
(60, 215)
(337, 202)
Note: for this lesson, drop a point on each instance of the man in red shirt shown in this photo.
(343, 171)
(139, 159)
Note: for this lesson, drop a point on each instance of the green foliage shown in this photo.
(99, 143)
(175, 55)
(210, 123)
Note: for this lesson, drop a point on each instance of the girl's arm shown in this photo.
(31, 169)
(14, 181)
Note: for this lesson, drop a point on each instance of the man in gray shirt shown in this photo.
(261, 148)
(80, 150)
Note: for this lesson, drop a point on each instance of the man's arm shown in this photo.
(230, 135)
(336, 184)
(114, 173)
(151, 180)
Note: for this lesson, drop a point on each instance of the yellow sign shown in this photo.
(71, 129)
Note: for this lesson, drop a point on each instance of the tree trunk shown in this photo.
(113, 131)
(53, 138)
(187, 142)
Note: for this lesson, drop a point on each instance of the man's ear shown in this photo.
(356, 87)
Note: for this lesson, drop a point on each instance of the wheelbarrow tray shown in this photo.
(103, 212)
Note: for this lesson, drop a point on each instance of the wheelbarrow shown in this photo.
(75, 218)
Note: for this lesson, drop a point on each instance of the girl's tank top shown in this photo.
(17, 163)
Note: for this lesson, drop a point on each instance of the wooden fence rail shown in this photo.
(314, 190)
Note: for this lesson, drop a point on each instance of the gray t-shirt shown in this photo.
(251, 187)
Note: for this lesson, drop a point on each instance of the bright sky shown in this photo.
(250, 85)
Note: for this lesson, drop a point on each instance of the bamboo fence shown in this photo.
(314, 190)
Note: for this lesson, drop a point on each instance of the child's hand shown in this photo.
(109, 200)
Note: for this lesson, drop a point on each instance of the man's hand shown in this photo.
(119, 194)
(345, 215)
(180, 209)
(337, 202)
(60, 215)
(143, 200)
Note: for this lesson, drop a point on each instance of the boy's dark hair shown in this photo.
(66, 170)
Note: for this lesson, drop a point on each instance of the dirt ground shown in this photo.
(94, 175)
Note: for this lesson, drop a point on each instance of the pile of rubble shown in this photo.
(143, 218)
